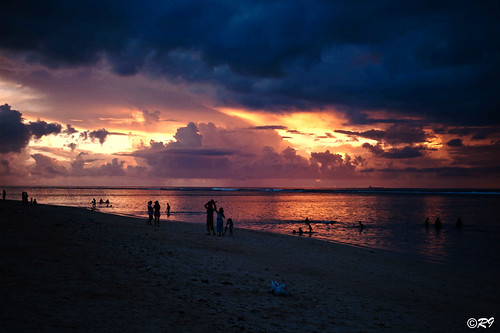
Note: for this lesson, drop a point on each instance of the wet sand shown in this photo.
(65, 269)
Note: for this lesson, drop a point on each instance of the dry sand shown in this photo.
(68, 269)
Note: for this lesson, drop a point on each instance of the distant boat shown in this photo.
(376, 187)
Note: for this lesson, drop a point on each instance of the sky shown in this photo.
(327, 94)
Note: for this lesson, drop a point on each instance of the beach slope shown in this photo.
(70, 269)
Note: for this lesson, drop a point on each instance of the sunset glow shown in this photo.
(248, 101)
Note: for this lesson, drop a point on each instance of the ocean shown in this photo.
(393, 218)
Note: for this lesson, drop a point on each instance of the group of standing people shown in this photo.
(211, 207)
(24, 197)
(154, 212)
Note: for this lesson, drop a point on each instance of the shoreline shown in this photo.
(414, 256)
(72, 268)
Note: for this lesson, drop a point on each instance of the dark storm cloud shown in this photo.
(455, 143)
(487, 156)
(100, 134)
(394, 153)
(485, 133)
(406, 152)
(69, 130)
(371, 134)
(72, 146)
(15, 135)
(294, 131)
(270, 127)
(40, 128)
(434, 59)
(374, 149)
(395, 134)
(475, 133)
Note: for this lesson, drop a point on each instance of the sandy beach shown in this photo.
(66, 269)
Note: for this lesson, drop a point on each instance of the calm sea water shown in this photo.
(394, 218)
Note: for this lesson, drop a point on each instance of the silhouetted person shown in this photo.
(437, 223)
(361, 226)
(157, 208)
(309, 225)
(107, 202)
(24, 197)
(427, 222)
(93, 204)
(220, 221)
(150, 212)
(101, 202)
(300, 231)
(168, 209)
(459, 223)
(229, 226)
(211, 208)
(34, 201)
(3, 194)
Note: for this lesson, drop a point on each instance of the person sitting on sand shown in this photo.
(150, 212)
(300, 231)
(156, 208)
(101, 201)
(229, 225)
(220, 221)
(107, 202)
